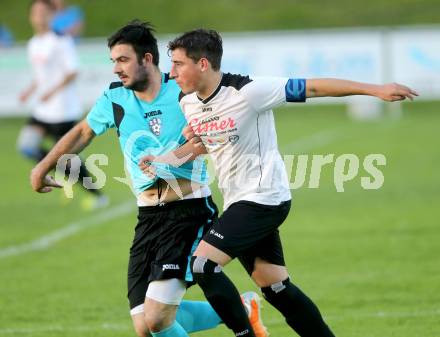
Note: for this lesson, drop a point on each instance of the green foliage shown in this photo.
(369, 258)
(172, 16)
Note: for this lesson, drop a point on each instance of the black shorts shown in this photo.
(248, 230)
(165, 238)
(55, 130)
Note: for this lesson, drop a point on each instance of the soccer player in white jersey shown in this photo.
(144, 110)
(232, 115)
(56, 109)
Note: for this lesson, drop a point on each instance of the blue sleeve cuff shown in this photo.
(296, 90)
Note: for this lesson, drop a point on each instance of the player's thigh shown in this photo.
(58, 130)
(165, 238)
(235, 231)
(245, 229)
(212, 253)
(265, 262)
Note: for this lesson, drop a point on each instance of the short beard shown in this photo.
(141, 83)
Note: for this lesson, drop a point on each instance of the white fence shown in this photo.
(410, 55)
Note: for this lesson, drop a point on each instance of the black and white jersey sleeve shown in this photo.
(267, 93)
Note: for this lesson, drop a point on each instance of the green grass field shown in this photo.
(231, 16)
(368, 258)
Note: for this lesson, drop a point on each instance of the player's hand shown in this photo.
(145, 164)
(42, 183)
(24, 96)
(188, 133)
(191, 137)
(395, 92)
(197, 141)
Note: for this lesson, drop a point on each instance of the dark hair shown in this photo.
(200, 43)
(48, 3)
(140, 36)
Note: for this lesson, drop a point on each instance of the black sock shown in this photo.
(300, 312)
(222, 295)
(39, 155)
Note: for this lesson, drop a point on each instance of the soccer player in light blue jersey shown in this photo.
(175, 207)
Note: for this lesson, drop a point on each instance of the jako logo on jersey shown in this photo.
(155, 124)
(170, 267)
(213, 125)
(233, 139)
(213, 232)
(152, 113)
(242, 333)
(210, 119)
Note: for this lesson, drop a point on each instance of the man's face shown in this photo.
(40, 16)
(185, 71)
(132, 74)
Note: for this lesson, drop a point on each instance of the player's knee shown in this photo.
(157, 320)
(202, 267)
(28, 151)
(141, 330)
(274, 292)
(137, 315)
(267, 274)
(28, 142)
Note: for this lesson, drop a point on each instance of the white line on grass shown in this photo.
(123, 327)
(48, 240)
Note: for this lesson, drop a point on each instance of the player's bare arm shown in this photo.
(335, 88)
(24, 96)
(190, 136)
(185, 153)
(73, 142)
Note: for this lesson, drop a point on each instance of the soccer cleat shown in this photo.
(252, 304)
(92, 202)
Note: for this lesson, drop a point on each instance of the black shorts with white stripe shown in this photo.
(165, 238)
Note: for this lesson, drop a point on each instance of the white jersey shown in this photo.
(237, 127)
(52, 58)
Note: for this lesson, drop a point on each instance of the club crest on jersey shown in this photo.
(155, 125)
(233, 139)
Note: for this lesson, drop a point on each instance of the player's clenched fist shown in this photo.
(42, 183)
(191, 137)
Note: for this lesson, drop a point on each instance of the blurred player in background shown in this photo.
(6, 37)
(232, 115)
(57, 106)
(68, 20)
(175, 208)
